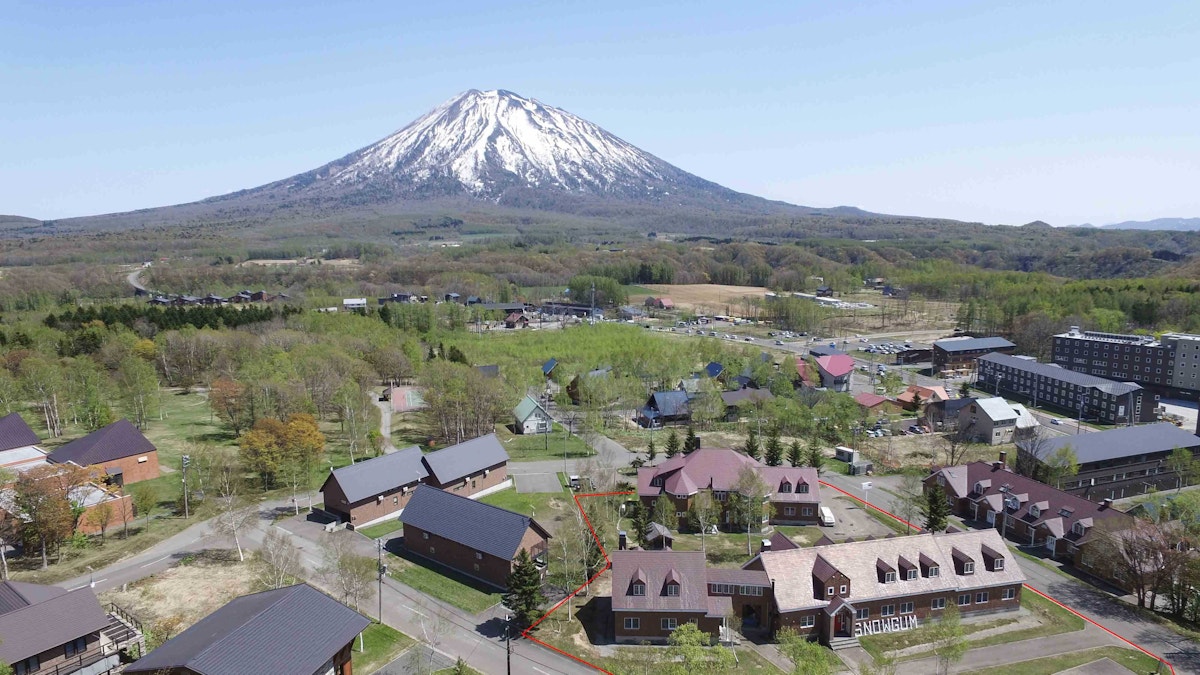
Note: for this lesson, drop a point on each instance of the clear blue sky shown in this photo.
(1001, 112)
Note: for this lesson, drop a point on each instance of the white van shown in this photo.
(826, 516)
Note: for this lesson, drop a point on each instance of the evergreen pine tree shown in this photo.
(524, 595)
(641, 523)
(816, 457)
(774, 450)
(691, 443)
(672, 444)
(795, 454)
(937, 510)
(651, 450)
(751, 447)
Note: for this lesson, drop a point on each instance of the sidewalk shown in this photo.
(1008, 654)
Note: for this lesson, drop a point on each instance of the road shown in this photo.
(1084, 598)
(385, 424)
(133, 280)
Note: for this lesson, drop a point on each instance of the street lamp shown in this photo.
(998, 378)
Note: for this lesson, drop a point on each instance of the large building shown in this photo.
(961, 352)
(1078, 394)
(794, 493)
(1168, 365)
(119, 452)
(1117, 463)
(837, 592)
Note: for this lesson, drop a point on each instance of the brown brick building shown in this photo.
(381, 487)
(476, 539)
(118, 451)
(837, 592)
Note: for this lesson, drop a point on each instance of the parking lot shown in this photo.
(852, 520)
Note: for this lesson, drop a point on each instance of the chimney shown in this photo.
(1004, 458)
(1106, 503)
(621, 541)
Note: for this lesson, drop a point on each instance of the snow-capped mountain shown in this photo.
(493, 145)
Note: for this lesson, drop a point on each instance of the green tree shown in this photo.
(641, 523)
(651, 451)
(964, 389)
(795, 454)
(1062, 463)
(816, 455)
(672, 444)
(524, 595)
(910, 502)
(949, 643)
(937, 509)
(774, 448)
(691, 442)
(145, 498)
(1183, 463)
(664, 512)
(689, 647)
(751, 447)
(748, 502)
(138, 383)
(807, 656)
(703, 514)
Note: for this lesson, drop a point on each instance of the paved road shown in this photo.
(1084, 598)
(132, 279)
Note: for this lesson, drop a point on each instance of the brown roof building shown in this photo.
(118, 451)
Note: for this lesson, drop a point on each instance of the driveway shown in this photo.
(851, 520)
(537, 482)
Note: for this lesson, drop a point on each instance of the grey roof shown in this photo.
(37, 618)
(473, 524)
(736, 397)
(287, 630)
(380, 474)
(1099, 446)
(15, 433)
(653, 567)
(117, 440)
(458, 461)
(669, 403)
(997, 409)
(1062, 374)
(973, 344)
(489, 371)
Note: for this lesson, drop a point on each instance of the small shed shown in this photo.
(659, 538)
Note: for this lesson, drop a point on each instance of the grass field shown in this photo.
(548, 508)
(555, 445)
(381, 644)
(442, 583)
(1129, 658)
(380, 529)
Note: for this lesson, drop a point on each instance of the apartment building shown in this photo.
(1076, 393)
(1169, 365)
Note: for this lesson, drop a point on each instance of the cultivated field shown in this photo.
(708, 297)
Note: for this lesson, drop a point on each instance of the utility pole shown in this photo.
(382, 571)
(508, 641)
(592, 316)
(187, 460)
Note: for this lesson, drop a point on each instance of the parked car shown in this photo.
(779, 342)
(1055, 420)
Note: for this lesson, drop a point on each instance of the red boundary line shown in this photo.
(608, 565)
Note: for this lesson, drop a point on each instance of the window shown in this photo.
(808, 621)
(751, 590)
(968, 567)
(889, 577)
(806, 511)
(632, 623)
(789, 510)
(829, 591)
(864, 613)
(887, 610)
(964, 599)
(679, 514)
(1035, 511)
(395, 500)
(29, 665)
(842, 591)
(912, 574)
(432, 550)
(719, 495)
(997, 564)
(476, 567)
(785, 488)
(981, 597)
(673, 590)
(424, 535)
(802, 488)
(670, 624)
(934, 571)
(938, 603)
(76, 646)
(1009, 593)
(637, 589)
(906, 608)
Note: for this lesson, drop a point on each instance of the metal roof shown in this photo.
(15, 433)
(287, 630)
(473, 524)
(972, 344)
(548, 366)
(527, 407)
(1099, 446)
(1062, 374)
(714, 369)
(379, 474)
(117, 440)
(687, 566)
(39, 618)
(836, 365)
(459, 461)
(997, 409)
(669, 403)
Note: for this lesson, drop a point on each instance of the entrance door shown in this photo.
(991, 518)
(1050, 542)
(838, 620)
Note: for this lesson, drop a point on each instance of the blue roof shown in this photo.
(548, 366)
(714, 369)
(972, 344)
(670, 403)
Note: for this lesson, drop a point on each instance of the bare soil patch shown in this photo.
(709, 297)
(187, 592)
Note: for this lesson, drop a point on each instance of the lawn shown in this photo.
(546, 507)
(724, 549)
(1130, 658)
(442, 583)
(555, 445)
(381, 645)
(380, 529)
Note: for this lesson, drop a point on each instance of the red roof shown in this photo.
(868, 400)
(836, 365)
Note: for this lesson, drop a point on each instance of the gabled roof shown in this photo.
(379, 474)
(731, 398)
(287, 630)
(868, 400)
(714, 369)
(473, 524)
(527, 407)
(656, 566)
(1099, 446)
(117, 440)
(775, 476)
(669, 403)
(35, 618)
(459, 461)
(953, 345)
(780, 542)
(997, 409)
(837, 365)
(715, 468)
(15, 433)
(928, 394)
(549, 366)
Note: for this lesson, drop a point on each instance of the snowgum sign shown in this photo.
(895, 624)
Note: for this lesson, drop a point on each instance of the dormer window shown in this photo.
(785, 487)
(637, 589)
(934, 571)
(978, 488)
(889, 578)
(1078, 529)
(656, 482)
(673, 590)
(912, 574)
(998, 564)
(1011, 503)
(968, 567)
(802, 488)
(1035, 511)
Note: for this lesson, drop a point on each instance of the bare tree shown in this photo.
(1032, 452)
(1136, 555)
(434, 627)
(233, 514)
(956, 443)
(750, 502)
(352, 576)
(703, 514)
(279, 561)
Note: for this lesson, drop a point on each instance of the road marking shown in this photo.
(418, 613)
(155, 561)
(540, 670)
